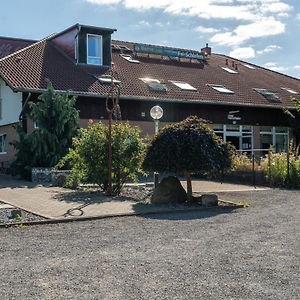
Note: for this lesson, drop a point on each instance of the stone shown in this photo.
(208, 200)
(169, 190)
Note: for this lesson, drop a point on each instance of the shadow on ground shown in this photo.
(180, 212)
(89, 197)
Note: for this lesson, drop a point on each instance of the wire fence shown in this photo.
(264, 167)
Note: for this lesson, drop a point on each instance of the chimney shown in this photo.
(206, 50)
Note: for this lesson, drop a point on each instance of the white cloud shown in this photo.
(208, 9)
(275, 67)
(143, 23)
(296, 67)
(276, 7)
(298, 17)
(268, 49)
(243, 53)
(206, 29)
(243, 33)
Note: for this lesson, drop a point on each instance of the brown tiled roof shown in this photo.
(11, 45)
(29, 68)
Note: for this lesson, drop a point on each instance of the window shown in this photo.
(229, 70)
(155, 85)
(289, 90)
(278, 137)
(221, 89)
(249, 66)
(94, 49)
(183, 85)
(269, 95)
(2, 144)
(129, 58)
(108, 79)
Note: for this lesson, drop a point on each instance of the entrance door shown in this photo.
(234, 140)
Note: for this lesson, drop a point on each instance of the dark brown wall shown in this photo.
(133, 110)
(66, 42)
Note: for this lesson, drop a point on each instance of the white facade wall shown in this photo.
(11, 105)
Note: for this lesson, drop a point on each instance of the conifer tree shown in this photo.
(57, 122)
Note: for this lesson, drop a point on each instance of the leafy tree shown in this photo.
(89, 157)
(57, 121)
(294, 118)
(188, 147)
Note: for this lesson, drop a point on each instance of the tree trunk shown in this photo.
(189, 186)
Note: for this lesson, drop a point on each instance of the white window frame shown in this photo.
(129, 58)
(274, 134)
(230, 71)
(101, 50)
(291, 91)
(249, 66)
(184, 86)
(240, 133)
(221, 89)
(3, 146)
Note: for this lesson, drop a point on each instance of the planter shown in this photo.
(49, 175)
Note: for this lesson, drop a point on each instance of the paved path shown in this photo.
(54, 202)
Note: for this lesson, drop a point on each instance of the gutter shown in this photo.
(209, 102)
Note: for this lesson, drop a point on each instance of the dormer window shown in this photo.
(94, 50)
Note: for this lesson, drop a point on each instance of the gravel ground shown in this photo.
(250, 253)
(5, 216)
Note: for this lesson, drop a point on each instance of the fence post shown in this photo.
(269, 166)
(253, 169)
(288, 167)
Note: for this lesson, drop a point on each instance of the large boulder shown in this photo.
(169, 190)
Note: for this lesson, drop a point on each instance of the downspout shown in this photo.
(21, 119)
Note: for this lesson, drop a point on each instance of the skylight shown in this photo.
(290, 91)
(229, 70)
(155, 85)
(107, 79)
(129, 58)
(249, 66)
(183, 85)
(269, 95)
(221, 89)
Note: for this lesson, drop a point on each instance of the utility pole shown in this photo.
(112, 108)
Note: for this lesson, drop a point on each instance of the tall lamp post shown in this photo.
(156, 113)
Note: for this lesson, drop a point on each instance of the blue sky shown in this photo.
(264, 32)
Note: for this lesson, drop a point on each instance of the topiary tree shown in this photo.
(57, 122)
(188, 147)
(89, 157)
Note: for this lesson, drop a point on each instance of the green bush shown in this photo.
(89, 157)
(276, 170)
(57, 120)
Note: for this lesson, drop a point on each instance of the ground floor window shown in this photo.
(277, 137)
(240, 136)
(2, 143)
